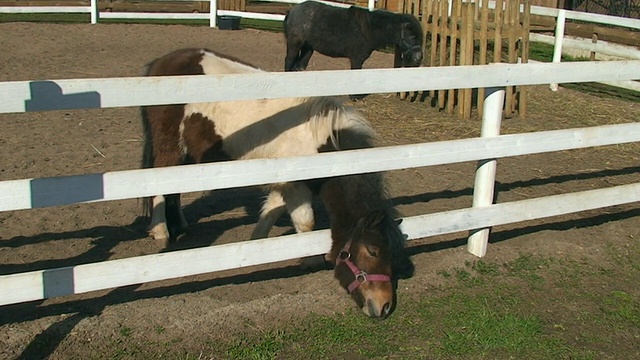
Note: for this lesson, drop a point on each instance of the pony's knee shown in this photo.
(298, 198)
(303, 218)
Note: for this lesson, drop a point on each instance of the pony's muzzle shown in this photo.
(373, 310)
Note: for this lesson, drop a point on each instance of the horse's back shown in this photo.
(197, 61)
(246, 129)
(312, 18)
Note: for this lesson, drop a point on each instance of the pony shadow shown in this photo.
(105, 239)
(504, 187)
(47, 341)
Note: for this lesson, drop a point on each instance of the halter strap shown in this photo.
(360, 275)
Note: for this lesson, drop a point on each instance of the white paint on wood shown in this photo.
(213, 13)
(626, 52)
(135, 91)
(483, 189)
(28, 193)
(44, 9)
(579, 15)
(629, 84)
(37, 285)
(158, 15)
(557, 45)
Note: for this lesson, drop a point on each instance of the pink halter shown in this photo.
(360, 275)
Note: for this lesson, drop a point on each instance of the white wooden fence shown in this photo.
(16, 96)
(558, 40)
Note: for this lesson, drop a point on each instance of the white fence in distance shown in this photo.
(118, 92)
(558, 40)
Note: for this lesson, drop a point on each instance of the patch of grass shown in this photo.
(622, 307)
(480, 326)
(486, 269)
(496, 318)
(544, 52)
(126, 331)
(266, 346)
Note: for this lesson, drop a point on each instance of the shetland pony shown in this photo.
(352, 33)
(367, 247)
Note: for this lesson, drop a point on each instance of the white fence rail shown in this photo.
(31, 193)
(558, 40)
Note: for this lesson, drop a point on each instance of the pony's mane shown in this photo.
(348, 128)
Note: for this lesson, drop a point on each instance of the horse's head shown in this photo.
(411, 37)
(371, 261)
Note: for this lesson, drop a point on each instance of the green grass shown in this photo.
(526, 308)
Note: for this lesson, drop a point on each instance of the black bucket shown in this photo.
(228, 22)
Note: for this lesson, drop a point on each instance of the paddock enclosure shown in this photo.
(68, 142)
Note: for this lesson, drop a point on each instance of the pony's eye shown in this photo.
(373, 251)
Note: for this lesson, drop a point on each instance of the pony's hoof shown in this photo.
(160, 234)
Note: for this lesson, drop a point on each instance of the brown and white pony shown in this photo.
(367, 249)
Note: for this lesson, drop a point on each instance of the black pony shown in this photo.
(352, 32)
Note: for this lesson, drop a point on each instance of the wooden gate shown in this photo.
(468, 33)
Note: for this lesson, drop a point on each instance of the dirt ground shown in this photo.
(208, 306)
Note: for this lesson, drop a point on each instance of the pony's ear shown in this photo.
(374, 218)
(398, 221)
(403, 267)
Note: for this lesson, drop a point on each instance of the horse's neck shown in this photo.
(385, 29)
(349, 199)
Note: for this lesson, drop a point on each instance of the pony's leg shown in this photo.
(305, 54)
(298, 199)
(272, 210)
(291, 59)
(167, 218)
(176, 223)
(158, 225)
(356, 64)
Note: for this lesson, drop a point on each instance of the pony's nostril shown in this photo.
(386, 309)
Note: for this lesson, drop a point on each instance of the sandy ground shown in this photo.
(210, 306)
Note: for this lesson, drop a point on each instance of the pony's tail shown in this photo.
(284, 24)
(147, 155)
(147, 150)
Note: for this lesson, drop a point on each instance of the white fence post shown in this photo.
(213, 13)
(557, 47)
(483, 188)
(372, 5)
(94, 11)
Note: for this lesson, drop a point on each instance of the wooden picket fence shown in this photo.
(474, 33)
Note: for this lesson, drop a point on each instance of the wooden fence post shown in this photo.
(483, 190)
(466, 55)
(557, 47)
(95, 11)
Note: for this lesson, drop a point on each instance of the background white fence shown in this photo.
(558, 40)
(120, 92)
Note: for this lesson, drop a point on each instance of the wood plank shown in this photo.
(453, 54)
(483, 36)
(37, 285)
(468, 10)
(128, 184)
(443, 44)
(15, 96)
(524, 38)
